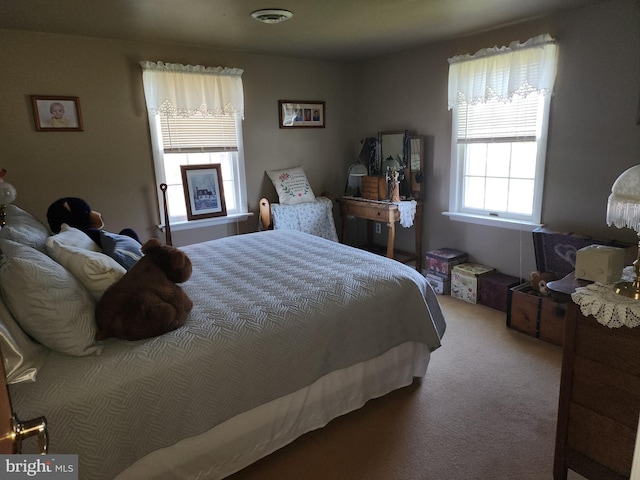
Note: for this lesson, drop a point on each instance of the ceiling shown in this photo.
(339, 30)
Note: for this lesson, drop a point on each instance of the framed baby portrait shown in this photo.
(56, 114)
(203, 191)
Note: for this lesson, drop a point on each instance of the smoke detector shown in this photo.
(272, 15)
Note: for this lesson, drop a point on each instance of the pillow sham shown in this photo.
(47, 301)
(72, 237)
(95, 270)
(22, 357)
(24, 228)
(292, 185)
(123, 249)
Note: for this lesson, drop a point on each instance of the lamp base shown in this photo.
(628, 289)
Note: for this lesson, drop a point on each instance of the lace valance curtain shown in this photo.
(501, 72)
(172, 89)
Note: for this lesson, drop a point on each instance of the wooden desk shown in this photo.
(387, 212)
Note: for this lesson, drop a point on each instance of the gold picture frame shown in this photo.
(53, 113)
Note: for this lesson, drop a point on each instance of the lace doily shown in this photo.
(407, 212)
(608, 308)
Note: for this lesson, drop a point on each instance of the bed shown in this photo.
(288, 332)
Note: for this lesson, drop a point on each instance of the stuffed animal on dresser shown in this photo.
(146, 302)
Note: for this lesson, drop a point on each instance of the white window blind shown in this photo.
(198, 134)
(497, 120)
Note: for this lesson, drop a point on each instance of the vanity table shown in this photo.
(401, 152)
(599, 401)
(388, 213)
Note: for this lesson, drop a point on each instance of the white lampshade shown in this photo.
(354, 177)
(358, 170)
(7, 193)
(623, 207)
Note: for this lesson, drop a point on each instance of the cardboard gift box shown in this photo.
(539, 316)
(494, 289)
(442, 261)
(465, 278)
(441, 284)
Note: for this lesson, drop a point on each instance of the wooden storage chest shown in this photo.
(535, 315)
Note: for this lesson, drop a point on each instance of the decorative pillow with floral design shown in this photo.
(292, 185)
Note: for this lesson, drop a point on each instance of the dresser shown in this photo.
(599, 400)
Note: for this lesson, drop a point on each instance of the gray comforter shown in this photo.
(273, 312)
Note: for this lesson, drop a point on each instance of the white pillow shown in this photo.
(72, 237)
(24, 228)
(96, 271)
(292, 185)
(47, 301)
(22, 357)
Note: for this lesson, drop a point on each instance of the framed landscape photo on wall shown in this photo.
(301, 114)
(203, 191)
(56, 114)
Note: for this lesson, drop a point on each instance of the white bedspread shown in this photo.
(273, 312)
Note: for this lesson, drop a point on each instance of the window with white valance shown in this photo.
(500, 98)
(195, 117)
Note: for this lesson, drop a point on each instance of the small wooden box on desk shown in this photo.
(599, 399)
(388, 213)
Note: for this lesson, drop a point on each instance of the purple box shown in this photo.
(442, 261)
(494, 289)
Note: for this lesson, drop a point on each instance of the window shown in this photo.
(500, 100)
(187, 129)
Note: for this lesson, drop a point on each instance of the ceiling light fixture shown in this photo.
(272, 15)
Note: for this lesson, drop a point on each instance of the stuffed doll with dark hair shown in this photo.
(77, 213)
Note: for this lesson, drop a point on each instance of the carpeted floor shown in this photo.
(486, 410)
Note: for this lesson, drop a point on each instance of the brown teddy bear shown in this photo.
(146, 302)
(538, 282)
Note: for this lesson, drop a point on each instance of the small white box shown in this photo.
(600, 263)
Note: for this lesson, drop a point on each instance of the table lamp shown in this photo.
(7, 196)
(356, 170)
(623, 210)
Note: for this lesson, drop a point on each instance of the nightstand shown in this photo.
(388, 213)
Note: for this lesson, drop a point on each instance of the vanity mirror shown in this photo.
(404, 152)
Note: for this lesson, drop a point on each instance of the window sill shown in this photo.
(207, 222)
(493, 222)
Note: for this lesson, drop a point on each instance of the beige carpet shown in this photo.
(486, 410)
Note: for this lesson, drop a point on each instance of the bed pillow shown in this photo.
(22, 357)
(292, 185)
(47, 301)
(24, 228)
(123, 249)
(96, 271)
(72, 237)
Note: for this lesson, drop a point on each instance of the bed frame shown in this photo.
(266, 221)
